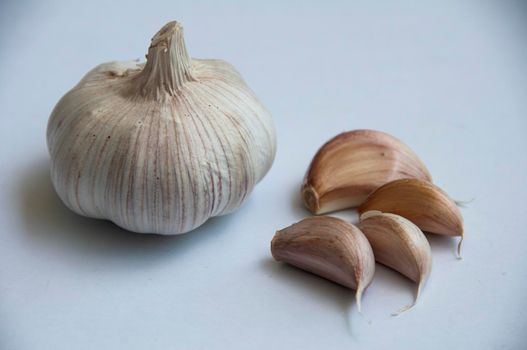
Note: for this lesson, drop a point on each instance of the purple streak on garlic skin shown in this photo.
(330, 248)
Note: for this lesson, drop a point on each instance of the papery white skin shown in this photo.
(159, 147)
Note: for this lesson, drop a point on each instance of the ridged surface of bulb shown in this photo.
(349, 167)
(330, 248)
(159, 147)
(398, 244)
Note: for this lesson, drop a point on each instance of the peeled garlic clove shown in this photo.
(421, 202)
(330, 248)
(353, 164)
(398, 244)
(159, 147)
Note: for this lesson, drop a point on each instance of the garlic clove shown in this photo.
(350, 166)
(330, 248)
(421, 202)
(400, 245)
(159, 147)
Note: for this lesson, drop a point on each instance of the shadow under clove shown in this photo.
(318, 288)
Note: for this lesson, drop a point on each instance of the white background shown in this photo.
(448, 78)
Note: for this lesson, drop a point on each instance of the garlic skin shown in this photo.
(330, 248)
(400, 245)
(159, 147)
(421, 202)
(350, 166)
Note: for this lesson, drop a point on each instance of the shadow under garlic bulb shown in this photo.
(159, 147)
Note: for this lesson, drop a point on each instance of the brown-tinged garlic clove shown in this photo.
(330, 248)
(421, 202)
(400, 245)
(350, 166)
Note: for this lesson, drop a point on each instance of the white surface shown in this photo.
(449, 79)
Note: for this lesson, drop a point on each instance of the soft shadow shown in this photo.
(443, 243)
(342, 297)
(51, 224)
(330, 293)
(296, 203)
(385, 276)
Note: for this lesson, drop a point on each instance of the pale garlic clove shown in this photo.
(349, 167)
(330, 248)
(400, 245)
(421, 202)
(159, 147)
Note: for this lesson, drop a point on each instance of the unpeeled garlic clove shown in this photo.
(330, 248)
(421, 202)
(400, 245)
(347, 168)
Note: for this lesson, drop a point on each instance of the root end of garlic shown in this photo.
(369, 214)
(350, 166)
(311, 199)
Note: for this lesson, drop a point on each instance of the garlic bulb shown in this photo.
(159, 147)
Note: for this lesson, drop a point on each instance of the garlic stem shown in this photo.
(168, 65)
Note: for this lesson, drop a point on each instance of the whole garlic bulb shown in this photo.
(159, 147)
